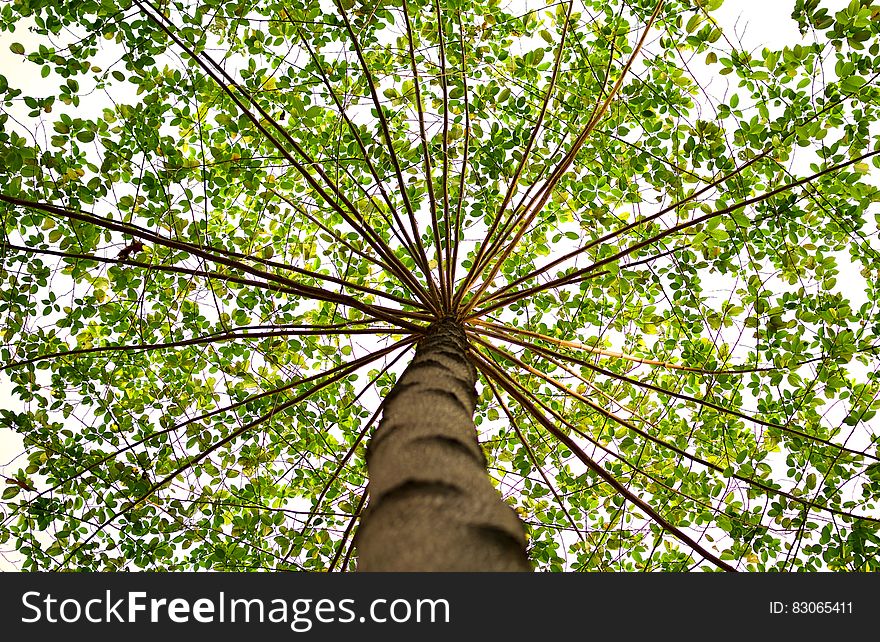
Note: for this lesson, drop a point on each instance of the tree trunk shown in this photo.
(432, 506)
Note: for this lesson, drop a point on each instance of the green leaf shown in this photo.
(11, 491)
(851, 84)
(201, 275)
(13, 160)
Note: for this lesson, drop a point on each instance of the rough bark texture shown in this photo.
(432, 506)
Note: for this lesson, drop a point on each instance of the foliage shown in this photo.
(226, 223)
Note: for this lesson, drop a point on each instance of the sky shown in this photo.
(754, 23)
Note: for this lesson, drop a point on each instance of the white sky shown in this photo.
(754, 23)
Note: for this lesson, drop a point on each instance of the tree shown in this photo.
(633, 296)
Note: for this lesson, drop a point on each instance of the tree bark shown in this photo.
(432, 506)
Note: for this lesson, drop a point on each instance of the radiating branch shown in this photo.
(617, 355)
(488, 247)
(793, 129)
(531, 210)
(215, 337)
(446, 288)
(534, 459)
(406, 241)
(455, 238)
(346, 536)
(344, 369)
(490, 371)
(585, 273)
(220, 276)
(309, 291)
(191, 462)
(677, 395)
(421, 257)
(426, 155)
(225, 82)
